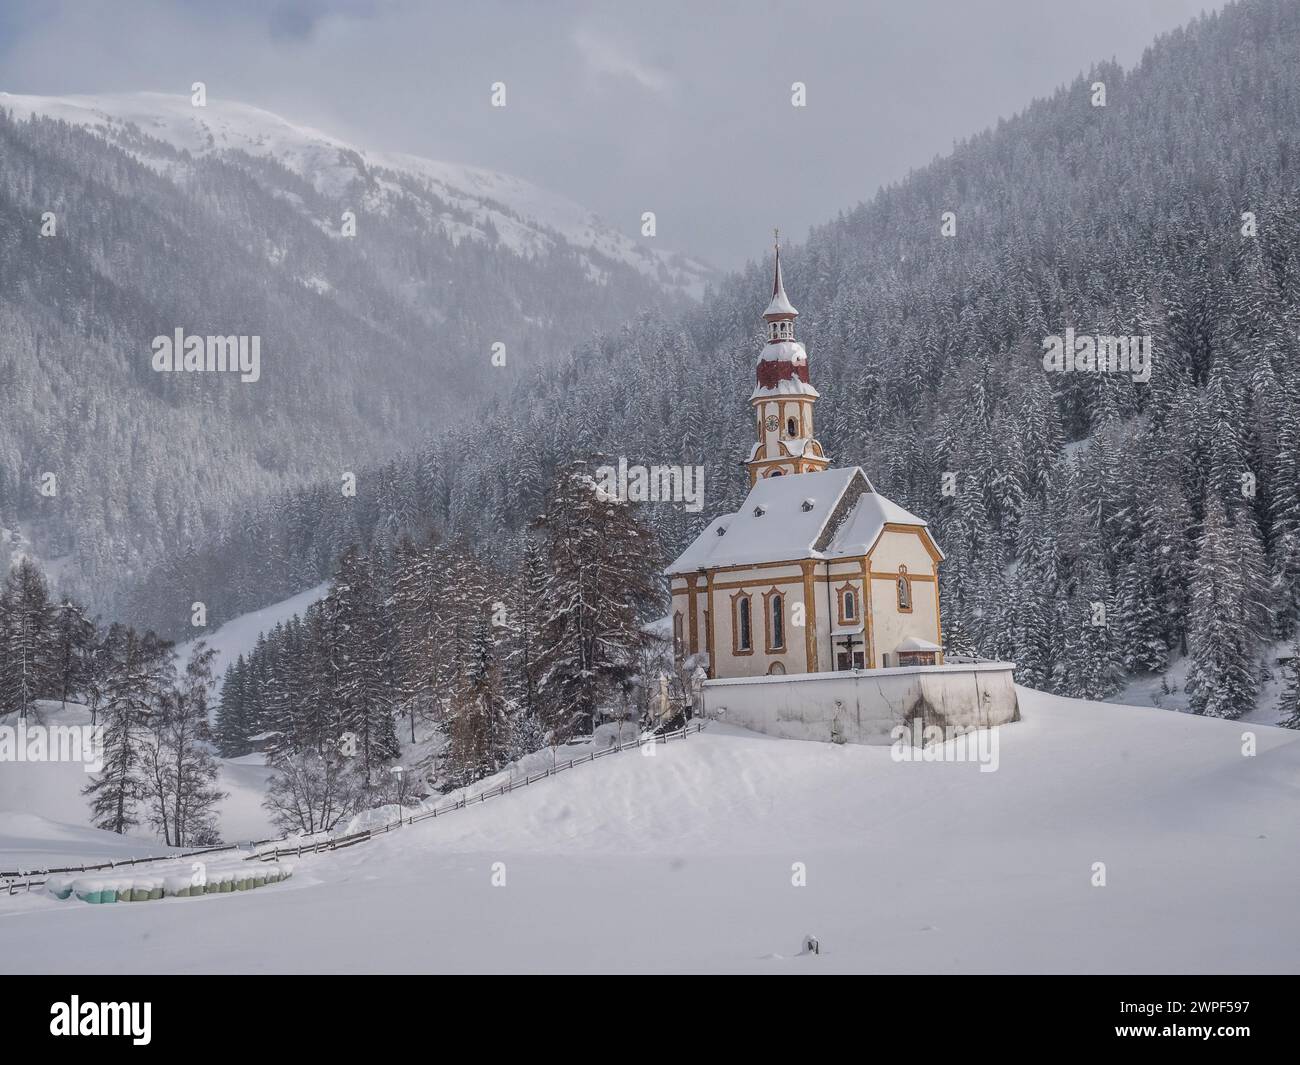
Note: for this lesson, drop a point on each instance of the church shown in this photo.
(817, 571)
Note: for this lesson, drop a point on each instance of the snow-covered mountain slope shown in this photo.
(524, 218)
(238, 636)
(684, 862)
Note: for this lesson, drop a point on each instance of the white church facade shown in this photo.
(817, 572)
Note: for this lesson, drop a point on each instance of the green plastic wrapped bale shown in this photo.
(60, 887)
(226, 886)
(259, 880)
(177, 887)
(139, 894)
(211, 887)
(243, 883)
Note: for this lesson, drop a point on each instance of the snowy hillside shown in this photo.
(683, 862)
(526, 219)
(45, 820)
(238, 636)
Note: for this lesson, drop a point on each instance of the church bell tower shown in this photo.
(783, 399)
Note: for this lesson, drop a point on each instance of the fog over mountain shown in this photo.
(388, 292)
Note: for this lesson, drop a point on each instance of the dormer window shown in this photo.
(807, 504)
(759, 511)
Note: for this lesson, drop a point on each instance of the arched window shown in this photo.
(742, 634)
(904, 590)
(847, 595)
(776, 669)
(774, 629)
(791, 427)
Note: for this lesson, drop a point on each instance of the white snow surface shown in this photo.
(527, 219)
(682, 862)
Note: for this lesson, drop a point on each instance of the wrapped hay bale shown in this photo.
(178, 887)
(139, 889)
(59, 886)
(88, 888)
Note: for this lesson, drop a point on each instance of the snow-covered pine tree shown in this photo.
(1140, 620)
(420, 621)
(1093, 659)
(479, 729)
(74, 641)
(141, 670)
(1223, 681)
(602, 565)
(232, 725)
(362, 654)
(29, 662)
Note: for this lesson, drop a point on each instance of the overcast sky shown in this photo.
(682, 108)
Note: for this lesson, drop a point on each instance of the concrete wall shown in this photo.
(867, 704)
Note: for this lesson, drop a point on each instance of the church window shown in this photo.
(791, 429)
(742, 635)
(904, 591)
(847, 597)
(774, 602)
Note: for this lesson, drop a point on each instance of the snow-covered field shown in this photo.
(684, 862)
(45, 820)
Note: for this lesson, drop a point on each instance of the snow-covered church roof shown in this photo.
(825, 515)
